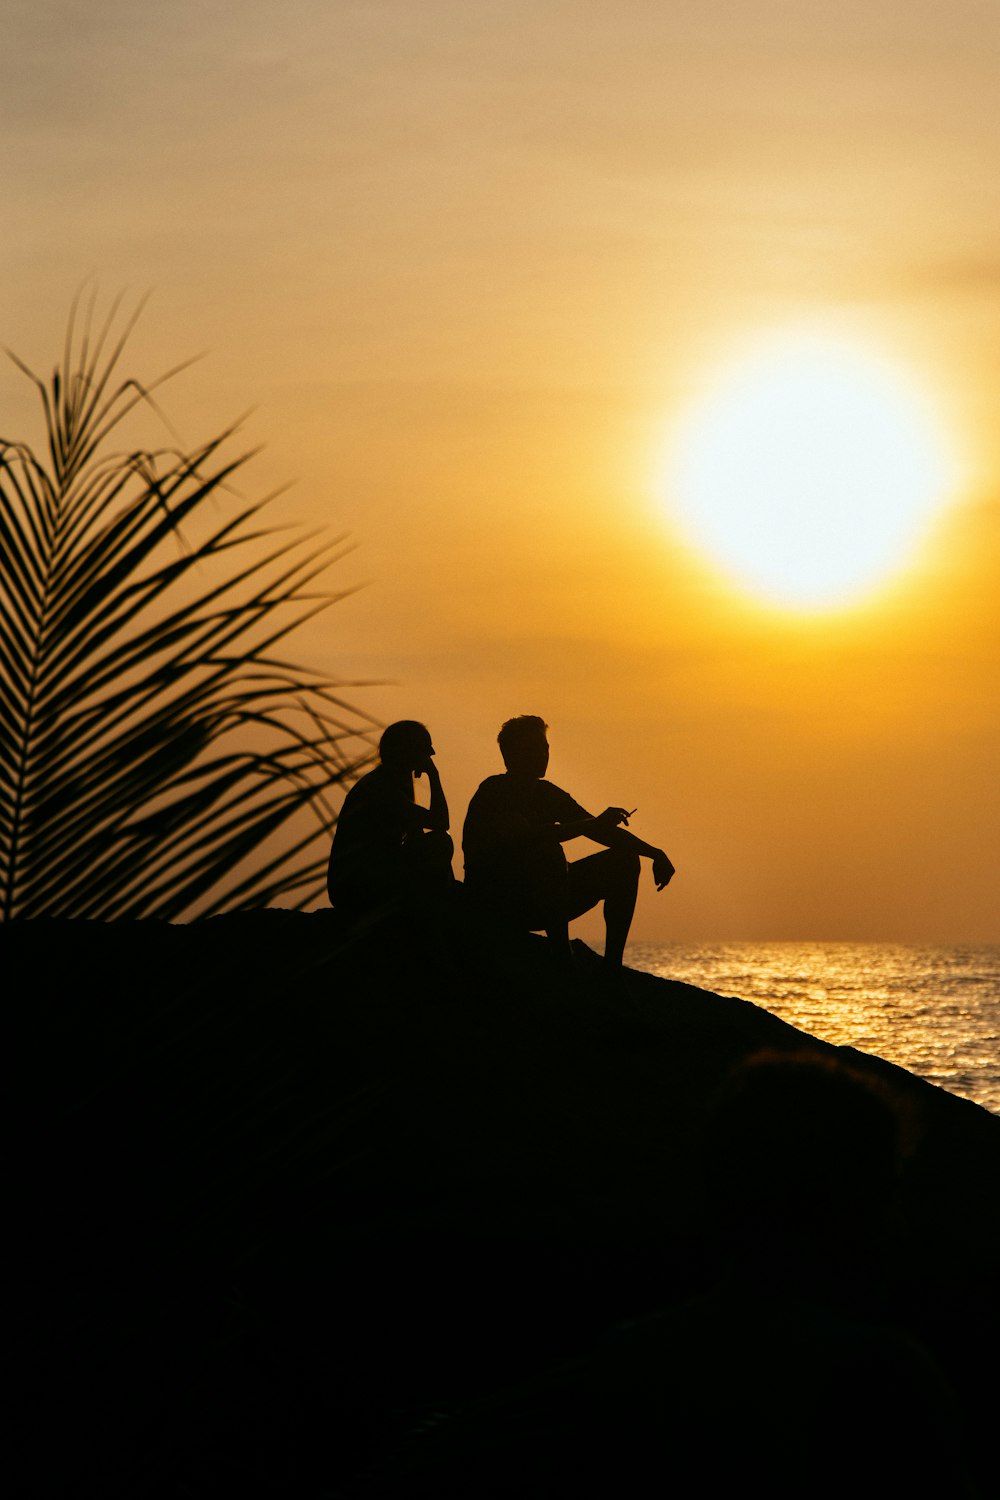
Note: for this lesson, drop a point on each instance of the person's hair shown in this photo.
(524, 729)
(400, 741)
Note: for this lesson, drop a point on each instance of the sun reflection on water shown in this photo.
(934, 1011)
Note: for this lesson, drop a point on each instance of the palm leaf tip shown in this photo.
(157, 761)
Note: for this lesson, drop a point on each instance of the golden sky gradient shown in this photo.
(468, 261)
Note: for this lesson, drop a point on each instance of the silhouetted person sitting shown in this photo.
(514, 831)
(388, 851)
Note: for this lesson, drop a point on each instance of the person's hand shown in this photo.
(424, 767)
(662, 869)
(607, 821)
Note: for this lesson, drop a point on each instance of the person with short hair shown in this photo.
(389, 852)
(515, 829)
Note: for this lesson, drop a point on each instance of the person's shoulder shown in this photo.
(371, 785)
(368, 782)
(488, 798)
(551, 790)
(558, 797)
(491, 785)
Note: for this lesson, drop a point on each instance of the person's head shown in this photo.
(800, 1147)
(524, 746)
(405, 745)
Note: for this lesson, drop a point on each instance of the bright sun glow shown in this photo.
(809, 471)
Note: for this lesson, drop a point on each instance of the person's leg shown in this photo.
(619, 905)
(612, 877)
(426, 863)
(544, 894)
(536, 894)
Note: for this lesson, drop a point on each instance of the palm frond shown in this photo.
(156, 758)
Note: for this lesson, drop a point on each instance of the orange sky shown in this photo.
(467, 261)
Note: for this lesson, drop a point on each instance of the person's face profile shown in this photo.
(422, 752)
(535, 755)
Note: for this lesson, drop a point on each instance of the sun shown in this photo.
(808, 471)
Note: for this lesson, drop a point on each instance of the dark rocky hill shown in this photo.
(287, 1197)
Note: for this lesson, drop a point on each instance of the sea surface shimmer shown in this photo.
(934, 1011)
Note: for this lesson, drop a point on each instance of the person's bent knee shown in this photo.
(625, 863)
(427, 858)
(438, 845)
(623, 870)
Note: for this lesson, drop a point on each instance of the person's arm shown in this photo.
(576, 822)
(565, 820)
(510, 827)
(435, 816)
(587, 826)
(605, 830)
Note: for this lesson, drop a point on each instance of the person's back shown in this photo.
(504, 813)
(371, 828)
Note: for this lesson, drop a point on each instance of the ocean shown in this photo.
(934, 1011)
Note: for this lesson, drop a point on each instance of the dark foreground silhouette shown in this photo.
(297, 1213)
(782, 1377)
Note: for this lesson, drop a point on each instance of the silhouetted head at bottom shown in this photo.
(800, 1159)
(765, 1383)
